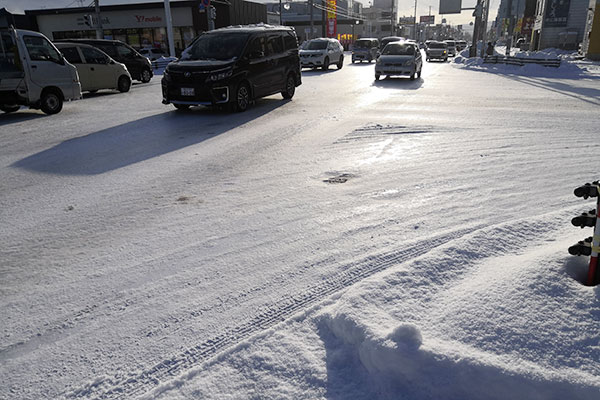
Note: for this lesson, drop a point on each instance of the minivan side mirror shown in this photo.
(253, 55)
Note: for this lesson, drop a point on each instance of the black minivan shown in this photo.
(138, 66)
(233, 66)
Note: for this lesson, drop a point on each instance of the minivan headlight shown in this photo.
(219, 76)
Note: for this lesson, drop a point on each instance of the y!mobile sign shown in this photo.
(331, 18)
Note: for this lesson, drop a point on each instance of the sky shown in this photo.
(406, 7)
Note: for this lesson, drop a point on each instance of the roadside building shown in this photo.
(591, 38)
(559, 24)
(144, 24)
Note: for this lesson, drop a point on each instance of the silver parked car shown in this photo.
(399, 59)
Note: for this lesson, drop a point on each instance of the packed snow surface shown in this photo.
(366, 240)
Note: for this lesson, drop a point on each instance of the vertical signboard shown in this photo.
(331, 18)
(557, 12)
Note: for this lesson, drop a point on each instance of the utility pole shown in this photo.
(169, 29)
(312, 22)
(99, 32)
(323, 19)
(415, 22)
(510, 27)
(477, 28)
(392, 30)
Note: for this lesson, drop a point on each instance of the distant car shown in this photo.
(153, 53)
(399, 59)
(461, 45)
(322, 52)
(436, 51)
(95, 68)
(365, 49)
(138, 66)
(451, 47)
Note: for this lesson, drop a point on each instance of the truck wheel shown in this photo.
(146, 75)
(124, 84)
(7, 108)
(51, 102)
(377, 77)
(290, 87)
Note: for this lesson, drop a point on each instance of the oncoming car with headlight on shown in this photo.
(233, 66)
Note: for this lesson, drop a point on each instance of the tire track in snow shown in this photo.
(125, 387)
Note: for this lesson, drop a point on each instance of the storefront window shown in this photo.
(188, 35)
(147, 39)
(160, 38)
(120, 34)
(133, 38)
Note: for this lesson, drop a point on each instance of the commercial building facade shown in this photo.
(144, 24)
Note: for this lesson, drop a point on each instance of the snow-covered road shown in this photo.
(138, 242)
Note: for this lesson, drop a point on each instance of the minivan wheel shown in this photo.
(340, 62)
(326, 64)
(124, 84)
(290, 87)
(182, 107)
(146, 75)
(376, 77)
(7, 108)
(51, 102)
(242, 98)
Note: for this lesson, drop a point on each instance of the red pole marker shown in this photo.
(593, 270)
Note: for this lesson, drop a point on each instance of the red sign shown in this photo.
(331, 18)
(143, 18)
(427, 19)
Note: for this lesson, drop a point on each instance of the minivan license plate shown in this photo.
(187, 91)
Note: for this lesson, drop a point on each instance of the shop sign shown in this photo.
(557, 13)
(143, 18)
(427, 19)
(331, 18)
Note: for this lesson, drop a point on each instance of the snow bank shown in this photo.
(570, 66)
(397, 363)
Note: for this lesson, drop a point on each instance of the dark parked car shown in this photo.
(233, 66)
(138, 66)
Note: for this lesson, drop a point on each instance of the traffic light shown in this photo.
(590, 246)
(88, 19)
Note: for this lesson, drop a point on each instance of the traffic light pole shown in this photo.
(99, 32)
(592, 278)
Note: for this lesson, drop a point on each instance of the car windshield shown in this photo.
(362, 44)
(316, 45)
(399, 49)
(450, 43)
(437, 45)
(217, 46)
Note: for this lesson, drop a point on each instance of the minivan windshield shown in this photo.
(217, 46)
(437, 45)
(362, 44)
(316, 45)
(398, 49)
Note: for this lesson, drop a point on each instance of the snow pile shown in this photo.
(499, 314)
(569, 67)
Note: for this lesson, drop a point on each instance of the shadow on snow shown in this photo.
(140, 140)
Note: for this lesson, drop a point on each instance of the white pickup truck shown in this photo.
(34, 73)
